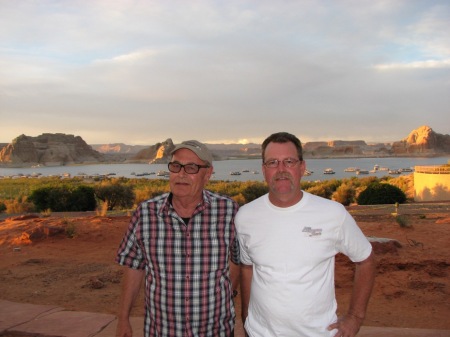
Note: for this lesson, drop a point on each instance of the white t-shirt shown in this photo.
(292, 252)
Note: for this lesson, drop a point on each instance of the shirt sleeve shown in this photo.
(352, 241)
(130, 253)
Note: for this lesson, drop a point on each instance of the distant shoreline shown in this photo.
(306, 157)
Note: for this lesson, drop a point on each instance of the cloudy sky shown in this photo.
(139, 72)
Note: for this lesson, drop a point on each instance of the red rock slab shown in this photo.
(66, 324)
(13, 314)
(137, 324)
(369, 331)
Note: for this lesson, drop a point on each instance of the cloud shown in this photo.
(141, 72)
(430, 64)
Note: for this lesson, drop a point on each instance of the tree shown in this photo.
(344, 194)
(115, 195)
(381, 193)
(254, 191)
(64, 198)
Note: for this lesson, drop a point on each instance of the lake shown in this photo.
(249, 169)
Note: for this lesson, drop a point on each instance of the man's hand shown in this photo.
(347, 326)
(124, 328)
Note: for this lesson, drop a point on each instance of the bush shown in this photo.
(2, 207)
(18, 205)
(381, 193)
(345, 194)
(254, 191)
(64, 199)
(402, 221)
(115, 195)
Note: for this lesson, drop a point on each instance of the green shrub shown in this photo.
(2, 207)
(402, 221)
(63, 198)
(381, 193)
(115, 195)
(254, 191)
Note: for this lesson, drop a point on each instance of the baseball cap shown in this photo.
(198, 148)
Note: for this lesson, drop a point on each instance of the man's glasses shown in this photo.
(288, 162)
(190, 168)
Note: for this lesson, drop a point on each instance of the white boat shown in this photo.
(235, 173)
(351, 169)
(394, 172)
(163, 173)
(406, 169)
(308, 173)
(328, 171)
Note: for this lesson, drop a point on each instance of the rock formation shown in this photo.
(48, 149)
(155, 154)
(117, 148)
(422, 141)
(337, 148)
(61, 149)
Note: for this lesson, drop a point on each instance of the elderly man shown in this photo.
(183, 243)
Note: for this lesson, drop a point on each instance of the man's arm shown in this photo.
(131, 285)
(362, 288)
(246, 281)
(235, 272)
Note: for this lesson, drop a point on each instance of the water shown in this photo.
(223, 168)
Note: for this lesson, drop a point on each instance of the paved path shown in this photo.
(49, 320)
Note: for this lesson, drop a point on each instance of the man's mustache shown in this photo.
(282, 175)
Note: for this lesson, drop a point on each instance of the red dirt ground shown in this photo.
(40, 264)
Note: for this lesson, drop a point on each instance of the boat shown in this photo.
(245, 170)
(394, 172)
(163, 173)
(406, 169)
(376, 167)
(328, 171)
(308, 173)
(351, 169)
(362, 171)
(235, 173)
(255, 172)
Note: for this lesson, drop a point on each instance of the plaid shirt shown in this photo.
(188, 289)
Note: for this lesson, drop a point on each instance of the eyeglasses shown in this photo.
(288, 162)
(190, 168)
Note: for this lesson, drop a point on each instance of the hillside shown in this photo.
(60, 149)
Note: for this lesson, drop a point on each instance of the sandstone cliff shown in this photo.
(118, 148)
(61, 149)
(340, 148)
(155, 154)
(48, 149)
(422, 141)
